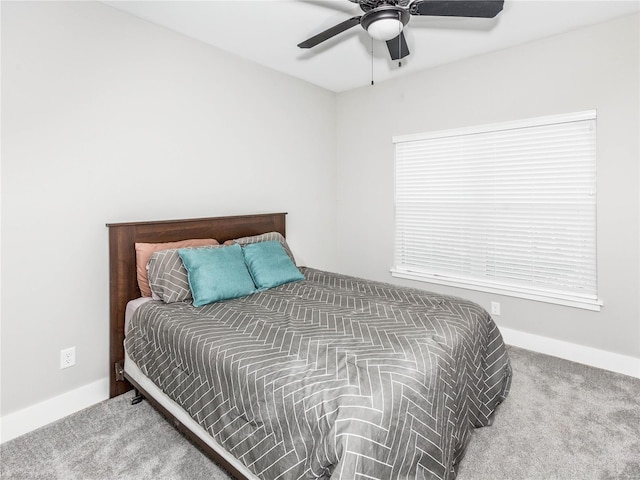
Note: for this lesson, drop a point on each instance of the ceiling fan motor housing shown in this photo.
(366, 5)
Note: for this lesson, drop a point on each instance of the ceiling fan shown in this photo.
(385, 19)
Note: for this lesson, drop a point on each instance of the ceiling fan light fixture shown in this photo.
(385, 22)
(385, 29)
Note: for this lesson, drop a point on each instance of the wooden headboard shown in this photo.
(123, 283)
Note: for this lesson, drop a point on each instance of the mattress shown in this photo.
(329, 377)
(132, 306)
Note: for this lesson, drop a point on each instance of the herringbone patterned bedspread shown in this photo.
(332, 376)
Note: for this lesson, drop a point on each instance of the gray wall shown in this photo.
(591, 68)
(107, 118)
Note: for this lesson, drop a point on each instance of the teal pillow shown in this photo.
(270, 265)
(216, 274)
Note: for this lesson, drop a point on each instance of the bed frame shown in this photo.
(123, 284)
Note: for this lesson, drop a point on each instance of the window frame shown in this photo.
(572, 299)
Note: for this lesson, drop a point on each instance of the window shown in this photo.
(507, 208)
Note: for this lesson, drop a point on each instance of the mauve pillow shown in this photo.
(144, 251)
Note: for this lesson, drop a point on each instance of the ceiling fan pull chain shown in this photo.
(399, 40)
(372, 61)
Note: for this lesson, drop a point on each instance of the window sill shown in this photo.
(576, 302)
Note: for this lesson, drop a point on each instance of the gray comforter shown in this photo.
(332, 376)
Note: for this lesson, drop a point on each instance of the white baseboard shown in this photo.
(593, 357)
(43, 413)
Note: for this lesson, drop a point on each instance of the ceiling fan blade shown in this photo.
(398, 48)
(457, 8)
(330, 32)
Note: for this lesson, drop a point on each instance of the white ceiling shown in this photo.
(267, 32)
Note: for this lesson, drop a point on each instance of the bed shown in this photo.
(325, 376)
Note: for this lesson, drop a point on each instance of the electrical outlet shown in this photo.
(495, 308)
(67, 357)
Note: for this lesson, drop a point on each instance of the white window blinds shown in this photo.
(507, 208)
